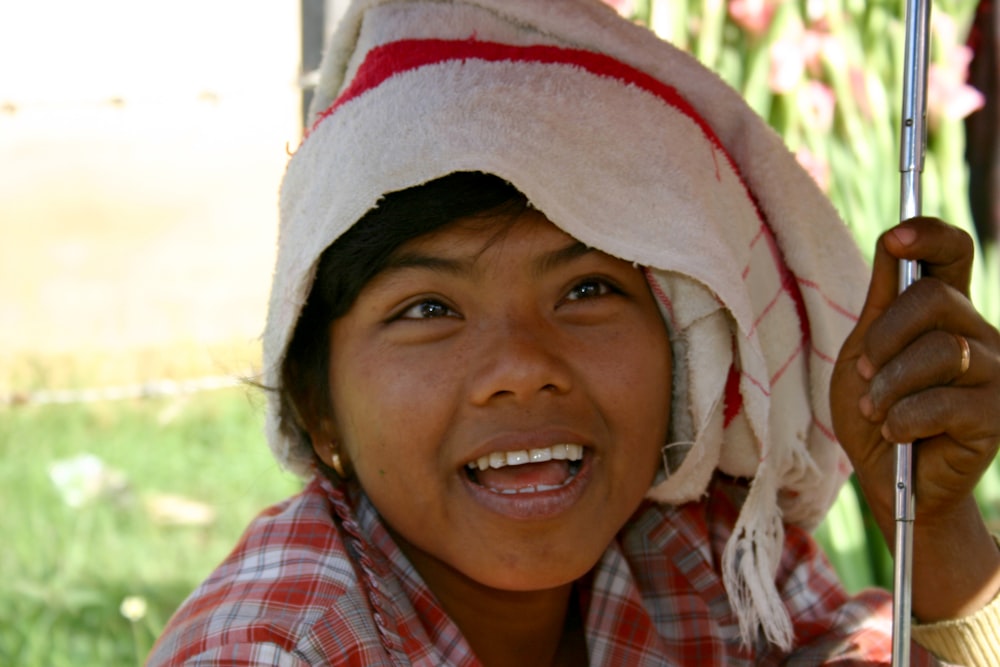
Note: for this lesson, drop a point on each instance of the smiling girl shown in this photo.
(557, 337)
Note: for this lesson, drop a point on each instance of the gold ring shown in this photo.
(966, 354)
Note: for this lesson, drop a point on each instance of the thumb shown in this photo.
(883, 289)
(884, 286)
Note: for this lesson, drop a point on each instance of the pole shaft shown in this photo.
(913, 144)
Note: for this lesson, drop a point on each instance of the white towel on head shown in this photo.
(634, 148)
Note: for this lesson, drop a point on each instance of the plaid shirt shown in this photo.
(316, 580)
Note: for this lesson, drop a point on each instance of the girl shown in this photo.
(564, 341)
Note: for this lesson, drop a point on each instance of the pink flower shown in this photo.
(816, 103)
(816, 11)
(815, 166)
(948, 94)
(813, 44)
(833, 53)
(624, 7)
(754, 16)
(859, 91)
(788, 64)
(792, 55)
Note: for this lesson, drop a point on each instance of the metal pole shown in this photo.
(911, 165)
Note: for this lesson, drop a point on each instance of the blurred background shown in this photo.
(141, 149)
(141, 146)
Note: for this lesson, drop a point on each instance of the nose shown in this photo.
(519, 359)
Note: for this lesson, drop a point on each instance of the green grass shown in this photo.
(68, 569)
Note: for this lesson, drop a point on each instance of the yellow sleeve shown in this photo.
(972, 641)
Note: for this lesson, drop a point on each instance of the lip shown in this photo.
(537, 506)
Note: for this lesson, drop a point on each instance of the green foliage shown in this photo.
(68, 569)
(827, 75)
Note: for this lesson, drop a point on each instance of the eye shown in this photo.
(590, 288)
(425, 310)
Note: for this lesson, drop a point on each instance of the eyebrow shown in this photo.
(557, 258)
(409, 260)
(455, 266)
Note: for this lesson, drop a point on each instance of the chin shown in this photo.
(526, 579)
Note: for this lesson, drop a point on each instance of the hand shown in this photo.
(899, 379)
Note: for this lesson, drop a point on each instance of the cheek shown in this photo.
(638, 375)
(659, 382)
(642, 388)
(382, 401)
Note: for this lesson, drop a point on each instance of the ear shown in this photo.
(323, 435)
(326, 445)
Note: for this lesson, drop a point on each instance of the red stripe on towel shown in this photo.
(405, 55)
(836, 307)
(661, 296)
(789, 282)
(734, 397)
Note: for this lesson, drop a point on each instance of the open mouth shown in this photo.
(527, 470)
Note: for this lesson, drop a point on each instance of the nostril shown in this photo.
(518, 367)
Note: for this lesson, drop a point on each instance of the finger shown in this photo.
(967, 415)
(945, 252)
(940, 457)
(928, 305)
(883, 287)
(934, 359)
(947, 471)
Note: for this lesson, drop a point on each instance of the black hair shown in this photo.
(351, 261)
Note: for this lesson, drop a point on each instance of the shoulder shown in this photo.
(286, 595)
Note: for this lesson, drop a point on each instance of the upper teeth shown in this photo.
(522, 456)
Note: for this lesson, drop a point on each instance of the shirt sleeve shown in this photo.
(973, 641)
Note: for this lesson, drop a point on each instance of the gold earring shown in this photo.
(336, 463)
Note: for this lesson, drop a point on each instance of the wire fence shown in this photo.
(144, 390)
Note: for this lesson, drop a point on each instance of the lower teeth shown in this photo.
(531, 489)
(574, 468)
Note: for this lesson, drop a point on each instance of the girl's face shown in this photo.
(502, 392)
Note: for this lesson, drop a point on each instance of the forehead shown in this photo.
(473, 238)
(526, 244)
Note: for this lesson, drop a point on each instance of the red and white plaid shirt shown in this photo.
(316, 580)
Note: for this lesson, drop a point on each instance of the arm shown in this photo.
(898, 379)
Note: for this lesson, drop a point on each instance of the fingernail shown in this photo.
(904, 235)
(865, 368)
(866, 406)
(887, 434)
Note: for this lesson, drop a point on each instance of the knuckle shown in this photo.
(905, 422)
(881, 389)
(963, 240)
(926, 414)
